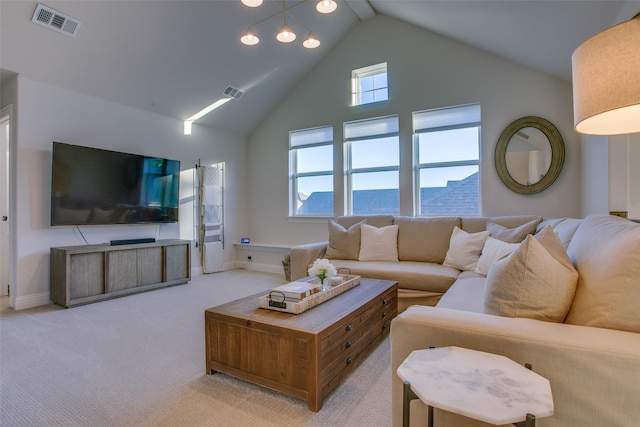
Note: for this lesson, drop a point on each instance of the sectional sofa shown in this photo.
(561, 294)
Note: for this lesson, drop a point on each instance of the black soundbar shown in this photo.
(132, 241)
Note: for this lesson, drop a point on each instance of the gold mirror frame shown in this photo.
(557, 154)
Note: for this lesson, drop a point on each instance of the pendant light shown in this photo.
(326, 6)
(311, 42)
(286, 34)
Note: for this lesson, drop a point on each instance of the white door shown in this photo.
(4, 204)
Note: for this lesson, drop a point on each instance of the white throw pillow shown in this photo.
(493, 250)
(378, 244)
(464, 249)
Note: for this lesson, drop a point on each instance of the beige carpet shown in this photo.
(140, 361)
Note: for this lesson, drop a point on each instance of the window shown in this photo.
(372, 153)
(311, 172)
(447, 158)
(369, 84)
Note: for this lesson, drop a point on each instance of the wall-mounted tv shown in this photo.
(95, 186)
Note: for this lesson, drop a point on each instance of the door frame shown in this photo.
(7, 114)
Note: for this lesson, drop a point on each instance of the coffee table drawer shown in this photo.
(344, 349)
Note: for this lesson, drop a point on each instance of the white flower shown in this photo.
(322, 268)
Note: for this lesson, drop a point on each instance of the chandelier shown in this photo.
(286, 33)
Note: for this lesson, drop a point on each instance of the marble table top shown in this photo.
(478, 385)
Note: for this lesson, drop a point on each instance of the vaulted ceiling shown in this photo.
(175, 57)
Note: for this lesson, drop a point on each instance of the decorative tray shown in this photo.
(296, 307)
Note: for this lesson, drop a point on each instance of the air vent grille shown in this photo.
(55, 20)
(232, 92)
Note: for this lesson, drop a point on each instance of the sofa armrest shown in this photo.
(303, 255)
(594, 372)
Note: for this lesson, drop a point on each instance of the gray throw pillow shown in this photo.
(512, 235)
(343, 243)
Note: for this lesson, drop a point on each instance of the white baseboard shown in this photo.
(264, 268)
(30, 301)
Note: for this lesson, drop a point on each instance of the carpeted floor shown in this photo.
(140, 361)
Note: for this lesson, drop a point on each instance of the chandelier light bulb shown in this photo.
(326, 6)
(249, 38)
(286, 35)
(251, 3)
(311, 42)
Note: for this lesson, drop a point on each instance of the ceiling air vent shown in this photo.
(232, 92)
(55, 20)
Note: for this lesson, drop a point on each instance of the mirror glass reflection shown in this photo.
(528, 156)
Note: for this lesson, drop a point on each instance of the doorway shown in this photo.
(5, 173)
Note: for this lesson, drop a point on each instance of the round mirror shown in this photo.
(529, 155)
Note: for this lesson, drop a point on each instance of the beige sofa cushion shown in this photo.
(565, 228)
(464, 249)
(606, 252)
(421, 276)
(378, 244)
(466, 293)
(473, 224)
(424, 239)
(374, 220)
(343, 243)
(536, 281)
(512, 235)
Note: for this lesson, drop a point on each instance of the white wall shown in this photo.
(425, 71)
(595, 175)
(624, 174)
(44, 114)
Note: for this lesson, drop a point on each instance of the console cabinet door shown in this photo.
(149, 268)
(121, 270)
(86, 275)
(177, 262)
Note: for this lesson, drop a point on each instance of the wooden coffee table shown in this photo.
(303, 355)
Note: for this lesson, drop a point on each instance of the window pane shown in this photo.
(449, 190)
(448, 145)
(315, 195)
(315, 159)
(381, 95)
(380, 80)
(366, 84)
(374, 153)
(366, 98)
(375, 193)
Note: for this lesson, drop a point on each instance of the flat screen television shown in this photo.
(91, 186)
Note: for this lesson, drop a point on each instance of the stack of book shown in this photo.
(294, 291)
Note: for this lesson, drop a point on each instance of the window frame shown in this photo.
(294, 174)
(349, 170)
(418, 167)
(356, 87)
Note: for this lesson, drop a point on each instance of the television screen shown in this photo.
(95, 186)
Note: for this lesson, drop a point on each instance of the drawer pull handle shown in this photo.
(349, 327)
(384, 301)
(384, 314)
(349, 344)
(349, 360)
(384, 326)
